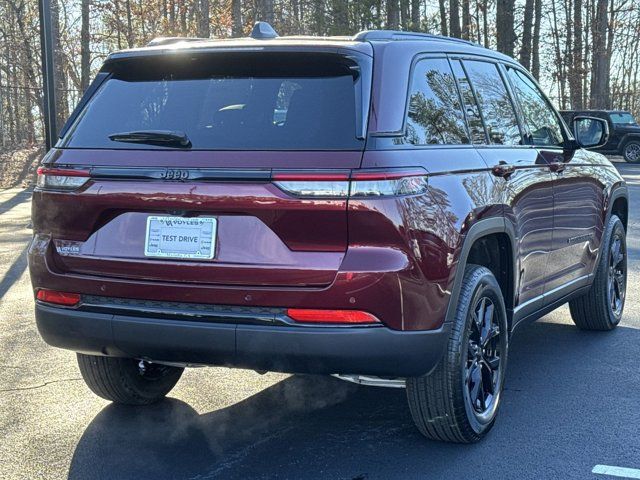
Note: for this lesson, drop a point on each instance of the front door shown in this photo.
(578, 197)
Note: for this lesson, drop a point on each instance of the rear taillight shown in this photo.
(351, 317)
(61, 179)
(363, 183)
(374, 183)
(313, 184)
(58, 298)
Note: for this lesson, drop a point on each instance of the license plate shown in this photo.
(177, 237)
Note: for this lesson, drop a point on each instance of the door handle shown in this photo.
(557, 167)
(503, 170)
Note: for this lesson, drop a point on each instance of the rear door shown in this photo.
(520, 173)
(271, 136)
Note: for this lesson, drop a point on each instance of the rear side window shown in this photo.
(250, 104)
(542, 121)
(495, 103)
(435, 115)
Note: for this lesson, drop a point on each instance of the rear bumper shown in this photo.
(375, 350)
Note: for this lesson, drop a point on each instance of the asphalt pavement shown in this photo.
(572, 402)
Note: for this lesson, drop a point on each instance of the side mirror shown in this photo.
(590, 132)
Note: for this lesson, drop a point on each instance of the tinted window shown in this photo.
(435, 115)
(239, 105)
(495, 104)
(542, 121)
(623, 118)
(474, 119)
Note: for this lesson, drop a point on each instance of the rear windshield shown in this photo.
(250, 102)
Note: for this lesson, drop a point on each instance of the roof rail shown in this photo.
(368, 35)
(170, 40)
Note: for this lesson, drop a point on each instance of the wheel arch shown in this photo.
(490, 243)
(618, 204)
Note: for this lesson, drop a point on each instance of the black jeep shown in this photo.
(624, 132)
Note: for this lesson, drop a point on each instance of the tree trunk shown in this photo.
(85, 52)
(62, 104)
(466, 20)
(443, 17)
(454, 19)
(405, 17)
(599, 72)
(535, 42)
(130, 37)
(415, 15)
(204, 22)
(393, 14)
(485, 22)
(236, 18)
(577, 70)
(505, 32)
(525, 49)
(265, 11)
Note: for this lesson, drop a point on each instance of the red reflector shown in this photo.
(310, 176)
(59, 298)
(331, 316)
(63, 172)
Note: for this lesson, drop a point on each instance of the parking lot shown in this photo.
(572, 402)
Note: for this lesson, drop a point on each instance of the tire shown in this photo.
(441, 402)
(602, 306)
(631, 151)
(121, 380)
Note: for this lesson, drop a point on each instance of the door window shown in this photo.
(435, 115)
(542, 121)
(495, 105)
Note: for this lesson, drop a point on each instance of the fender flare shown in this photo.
(626, 138)
(481, 228)
(619, 190)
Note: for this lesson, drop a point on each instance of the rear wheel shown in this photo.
(601, 307)
(459, 400)
(126, 380)
(631, 151)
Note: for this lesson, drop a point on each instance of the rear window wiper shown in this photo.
(167, 138)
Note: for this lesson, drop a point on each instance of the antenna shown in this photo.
(263, 31)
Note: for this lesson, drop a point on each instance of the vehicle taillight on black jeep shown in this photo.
(361, 183)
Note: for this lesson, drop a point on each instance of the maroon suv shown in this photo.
(387, 208)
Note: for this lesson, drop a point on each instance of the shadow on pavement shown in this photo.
(319, 427)
(14, 272)
(20, 197)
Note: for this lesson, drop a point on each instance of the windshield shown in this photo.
(623, 118)
(294, 106)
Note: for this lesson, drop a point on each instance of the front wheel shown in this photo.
(127, 380)
(601, 307)
(458, 401)
(631, 151)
